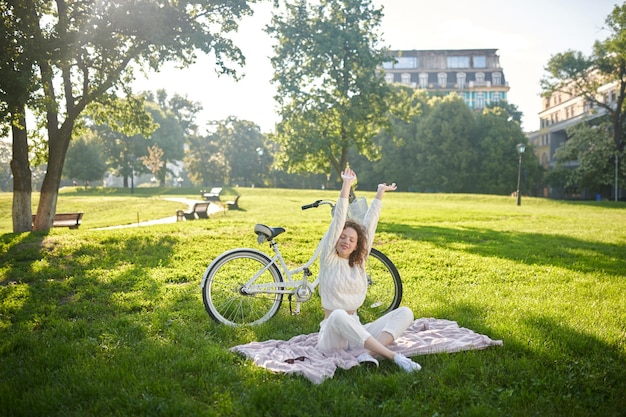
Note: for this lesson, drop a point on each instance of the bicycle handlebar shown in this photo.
(317, 204)
(312, 205)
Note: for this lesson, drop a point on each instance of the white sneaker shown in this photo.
(367, 359)
(405, 363)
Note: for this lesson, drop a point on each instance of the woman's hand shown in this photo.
(384, 187)
(348, 175)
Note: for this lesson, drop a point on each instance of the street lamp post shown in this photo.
(520, 150)
(259, 152)
(132, 174)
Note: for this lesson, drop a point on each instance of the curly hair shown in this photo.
(357, 257)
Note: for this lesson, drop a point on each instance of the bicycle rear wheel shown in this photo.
(223, 292)
(384, 292)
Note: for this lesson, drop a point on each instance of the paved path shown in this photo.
(213, 208)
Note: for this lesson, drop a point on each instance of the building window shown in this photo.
(496, 97)
(480, 78)
(405, 78)
(405, 62)
(442, 79)
(389, 78)
(458, 62)
(480, 101)
(460, 80)
(480, 62)
(496, 78)
(423, 80)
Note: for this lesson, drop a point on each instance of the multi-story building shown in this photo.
(473, 74)
(560, 111)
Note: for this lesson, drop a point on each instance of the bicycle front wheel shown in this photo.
(227, 300)
(384, 292)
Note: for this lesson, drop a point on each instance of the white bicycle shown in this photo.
(246, 286)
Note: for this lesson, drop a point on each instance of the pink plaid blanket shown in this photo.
(299, 355)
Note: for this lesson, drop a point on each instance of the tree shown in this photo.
(331, 92)
(17, 86)
(234, 153)
(572, 72)
(154, 160)
(183, 109)
(496, 168)
(590, 149)
(244, 150)
(121, 151)
(85, 53)
(397, 143)
(205, 160)
(161, 127)
(169, 137)
(84, 159)
(446, 147)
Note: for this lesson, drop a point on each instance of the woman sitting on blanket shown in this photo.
(343, 285)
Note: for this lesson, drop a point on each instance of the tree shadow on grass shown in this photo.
(527, 248)
(80, 278)
(22, 257)
(545, 366)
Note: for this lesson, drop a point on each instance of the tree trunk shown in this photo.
(22, 176)
(58, 142)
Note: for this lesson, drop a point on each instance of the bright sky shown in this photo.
(526, 34)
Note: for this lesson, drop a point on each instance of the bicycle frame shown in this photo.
(301, 288)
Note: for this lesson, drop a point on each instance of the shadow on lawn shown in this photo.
(82, 278)
(23, 253)
(549, 362)
(528, 248)
(580, 371)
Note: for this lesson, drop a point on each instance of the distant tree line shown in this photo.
(444, 146)
(440, 146)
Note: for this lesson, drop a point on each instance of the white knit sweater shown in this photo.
(341, 286)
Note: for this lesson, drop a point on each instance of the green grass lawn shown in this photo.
(111, 322)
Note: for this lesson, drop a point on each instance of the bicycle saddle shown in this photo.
(267, 232)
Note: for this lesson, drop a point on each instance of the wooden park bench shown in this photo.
(71, 220)
(213, 195)
(232, 204)
(198, 211)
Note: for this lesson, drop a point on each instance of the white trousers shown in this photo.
(345, 331)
